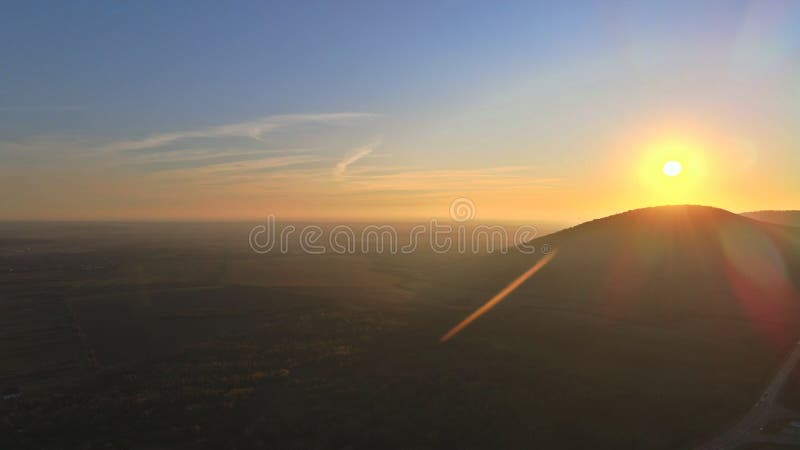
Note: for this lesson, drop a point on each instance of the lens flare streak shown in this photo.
(498, 297)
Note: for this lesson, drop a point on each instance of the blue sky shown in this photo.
(547, 89)
(192, 63)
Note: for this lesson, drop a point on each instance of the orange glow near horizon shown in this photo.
(717, 169)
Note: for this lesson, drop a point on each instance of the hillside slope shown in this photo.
(788, 218)
(660, 262)
(672, 317)
(666, 262)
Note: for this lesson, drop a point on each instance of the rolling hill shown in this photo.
(672, 317)
(788, 218)
(670, 261)
(663, 262)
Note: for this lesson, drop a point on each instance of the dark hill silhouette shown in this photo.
(788, 218)
(665, 263)
(686, 266)
(685, 309)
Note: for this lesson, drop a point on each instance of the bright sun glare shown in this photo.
(672, 168)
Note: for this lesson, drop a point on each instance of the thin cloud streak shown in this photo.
(255, 129)
(198, 156)
(341, 166)
(491, 178)
(243, 167)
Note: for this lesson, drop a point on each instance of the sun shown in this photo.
(672, 168)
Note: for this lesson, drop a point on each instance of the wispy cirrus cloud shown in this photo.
(305, 142)
(341, 167)
(297, 164)
(455, 180)
(255, 129)
(253, 166)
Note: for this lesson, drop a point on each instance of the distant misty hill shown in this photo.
(789, 218)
